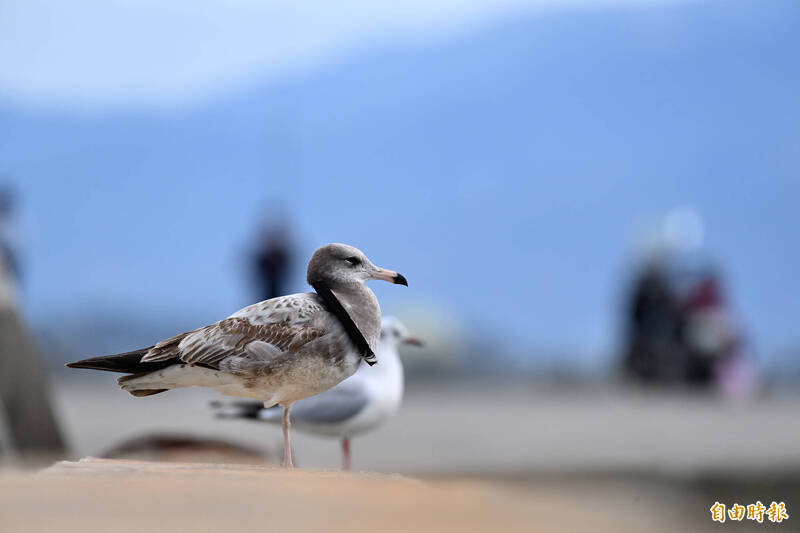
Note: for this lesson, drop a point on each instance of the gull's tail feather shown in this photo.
(137, 391)
(127, 363)
(146, 392)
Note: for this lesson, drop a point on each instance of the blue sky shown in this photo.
(101, 54)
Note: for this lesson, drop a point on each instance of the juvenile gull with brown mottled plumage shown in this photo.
(277, 351)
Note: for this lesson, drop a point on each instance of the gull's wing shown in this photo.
(260, 331)
(334, 405)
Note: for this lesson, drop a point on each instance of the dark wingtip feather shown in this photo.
(95, 363)
(128, 362)
(92, 363)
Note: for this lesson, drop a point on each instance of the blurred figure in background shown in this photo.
(653, 327)
(272, 260)
(681, 331)
(8, 252)
(713, 341)
(706, 332)
(679, 327)
(31, 428)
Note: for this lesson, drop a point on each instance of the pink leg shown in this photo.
(346, 453)
(286, 424)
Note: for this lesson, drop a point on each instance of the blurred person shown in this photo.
(272, 260)
(706, 333)
(357, 405)
(653, 317)
(713, 341)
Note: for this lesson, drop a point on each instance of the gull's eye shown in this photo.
(353, 260)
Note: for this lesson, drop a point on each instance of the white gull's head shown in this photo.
(394, 333)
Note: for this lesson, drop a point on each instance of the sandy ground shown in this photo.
(121, 496)
(472, 457)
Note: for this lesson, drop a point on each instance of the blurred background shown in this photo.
(595, 203)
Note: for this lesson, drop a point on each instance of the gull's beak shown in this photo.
(413, 341)
(390, 276)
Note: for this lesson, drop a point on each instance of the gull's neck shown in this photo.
(362, 306)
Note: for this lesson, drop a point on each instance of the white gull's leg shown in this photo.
(346, 453)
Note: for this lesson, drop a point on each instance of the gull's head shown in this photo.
(394, 332)
(340, 264)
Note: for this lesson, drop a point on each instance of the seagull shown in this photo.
(355, 406)
(277, 351)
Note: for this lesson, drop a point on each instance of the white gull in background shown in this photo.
(277, 351)
(355, 406)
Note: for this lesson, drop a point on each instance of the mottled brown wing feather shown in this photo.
(166, 349)
(228, 337)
